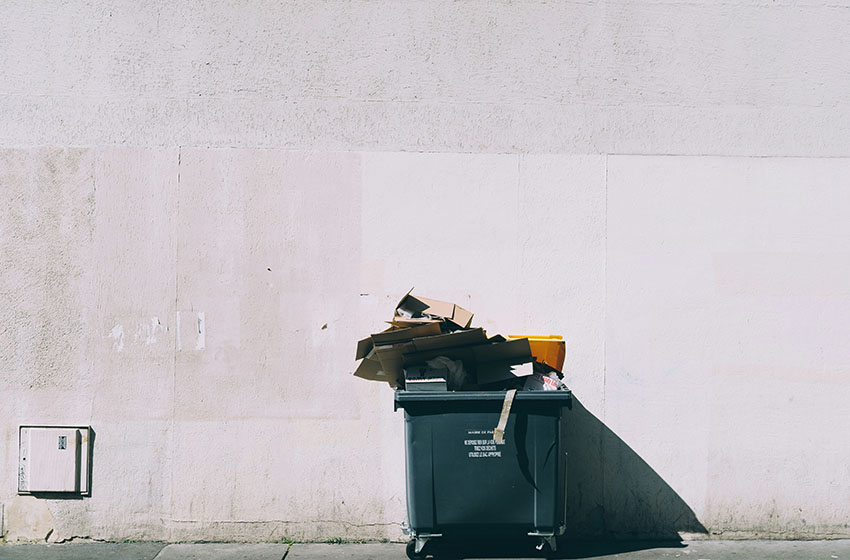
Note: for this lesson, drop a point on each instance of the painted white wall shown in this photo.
(207, 204)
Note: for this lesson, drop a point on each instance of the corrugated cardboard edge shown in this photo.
(390, 336)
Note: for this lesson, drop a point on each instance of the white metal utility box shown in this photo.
(54, 459)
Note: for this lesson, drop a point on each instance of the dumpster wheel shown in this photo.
(436, 550)
(411, 551)
(546, 542)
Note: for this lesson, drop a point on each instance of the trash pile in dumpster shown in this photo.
(431, 345)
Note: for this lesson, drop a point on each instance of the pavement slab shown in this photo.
(367, 551)
(81, 551)
(224, 551)
(745, 550)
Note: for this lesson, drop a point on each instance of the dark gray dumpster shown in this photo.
(461, 483)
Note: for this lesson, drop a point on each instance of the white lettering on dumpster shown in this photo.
(481, 446)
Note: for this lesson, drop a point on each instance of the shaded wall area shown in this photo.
(612, 493)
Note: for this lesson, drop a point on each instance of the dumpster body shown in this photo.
(461, 483)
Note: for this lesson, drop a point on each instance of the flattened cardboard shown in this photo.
(512, 351)
(401, 322)
(494, 372)
(450, 340)
(407, 333)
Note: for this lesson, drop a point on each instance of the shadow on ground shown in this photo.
(525, 548)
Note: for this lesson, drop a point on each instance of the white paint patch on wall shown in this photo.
(117, 336)
(146, 332)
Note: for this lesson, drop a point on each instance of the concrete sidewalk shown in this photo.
(695, 550)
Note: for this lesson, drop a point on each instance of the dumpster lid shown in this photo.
(563, 398)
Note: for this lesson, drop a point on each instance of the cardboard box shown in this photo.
(393, 357)
(412, 310)
(397, 334)
(474, 353)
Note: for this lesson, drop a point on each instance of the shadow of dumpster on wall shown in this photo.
(614, 494)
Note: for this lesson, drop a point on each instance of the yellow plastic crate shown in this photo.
(550, 349)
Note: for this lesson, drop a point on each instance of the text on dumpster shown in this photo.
(480, 444)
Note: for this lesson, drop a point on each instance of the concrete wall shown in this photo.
(206, 204)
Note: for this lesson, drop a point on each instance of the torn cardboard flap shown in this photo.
(412, 308)
(370, 369)
(364, 347)
(391, 358)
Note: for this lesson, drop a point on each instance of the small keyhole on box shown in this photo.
(63, 442)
